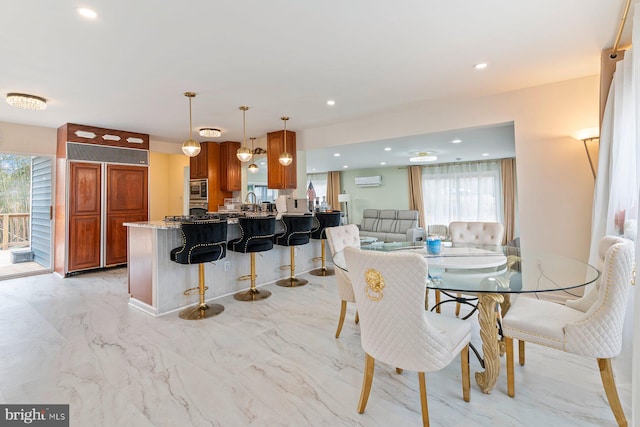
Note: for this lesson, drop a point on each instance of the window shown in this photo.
(319, 181)
(462, 192)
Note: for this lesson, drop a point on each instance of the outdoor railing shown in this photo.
(15, 230)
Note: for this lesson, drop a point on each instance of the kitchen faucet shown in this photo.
(255, 198)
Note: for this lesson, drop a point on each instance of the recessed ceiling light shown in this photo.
(423, 157)
(336, 154)
(387, 149)
(456, 141)
(331, 102)
(485, 154)
(263, 163)
(345, 166)
(481, 66)
(87, 13)
(383, 163)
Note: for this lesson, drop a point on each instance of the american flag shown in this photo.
(311, 192)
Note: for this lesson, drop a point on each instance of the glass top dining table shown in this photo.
(492, 274)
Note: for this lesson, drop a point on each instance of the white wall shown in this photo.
(555, 185)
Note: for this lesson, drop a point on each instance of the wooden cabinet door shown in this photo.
(230, 166)
(198, 164)
(85, 181)
(278, 176)
(127, 200)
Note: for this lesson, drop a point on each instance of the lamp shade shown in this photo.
(344, 198)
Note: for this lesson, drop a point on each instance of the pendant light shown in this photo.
(253, 168)
(190, 147)
(285, 158)
(243, 153)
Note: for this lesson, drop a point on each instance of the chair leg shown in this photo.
(357, 317)
(508, 343)
(423, 398)
(292, 281)
(369, 363)
(609, 383)
(466, 379)
(437, 301)
(253, 294)
(343, 312)
(521, 352)
(201, 310)
(457, 306)
(399, 370)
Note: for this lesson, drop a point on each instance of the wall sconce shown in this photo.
(587, 135)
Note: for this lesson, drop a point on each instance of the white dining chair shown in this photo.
(339, 238)
(591, 326)
(394, 326)
(482, 233)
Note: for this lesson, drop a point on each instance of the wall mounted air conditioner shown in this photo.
(368, 181)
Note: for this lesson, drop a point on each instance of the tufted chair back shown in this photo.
(202, 241)
(339, 238)
(483, 233)
(297, 229)
(323, 221)
(394, 326)
(256, 234)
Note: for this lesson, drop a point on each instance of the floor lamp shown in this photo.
(345, 198)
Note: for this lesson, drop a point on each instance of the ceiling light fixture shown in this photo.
(331, 102)
(336, 154)
(456, 141)
(383, 163)
(87, 13)
(423, 157)
(26, 102)
(285, 158)
(190, 147)
(481, 66)
(387, 149)
(243, 153)
(485, 154)
(253, 168)
(210, 132)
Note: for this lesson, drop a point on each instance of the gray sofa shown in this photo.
(391, 225)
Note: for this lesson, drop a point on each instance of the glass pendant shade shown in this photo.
(244, 154)
(253, 168)
(190, 147)
(285, 159)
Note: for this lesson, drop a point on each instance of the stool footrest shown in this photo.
(194, 291)
(245, 277)
(318, 258)
(285, 267)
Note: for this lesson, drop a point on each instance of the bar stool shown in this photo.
(202, 241)
(325, 220)
(256, 236)
(297, 229)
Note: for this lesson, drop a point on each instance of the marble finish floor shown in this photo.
(269, 363)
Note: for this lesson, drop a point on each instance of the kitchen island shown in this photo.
(157, 284)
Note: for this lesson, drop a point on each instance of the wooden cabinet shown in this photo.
(198, 165)
(89, 212)
(281, 177)
(216, 194)
(85, 207)
(230, 167)
(127, 200)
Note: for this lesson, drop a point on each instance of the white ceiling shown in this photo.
(130, 67)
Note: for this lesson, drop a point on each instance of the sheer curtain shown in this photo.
(469, 191)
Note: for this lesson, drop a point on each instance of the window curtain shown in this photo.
(616, 195)
(333, 189)
(415, 193)
(508, 172)
(468, 191)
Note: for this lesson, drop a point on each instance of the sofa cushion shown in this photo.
(369, 220)
(386, 221)
(406, 220)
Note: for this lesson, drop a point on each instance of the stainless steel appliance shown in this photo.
(198, 191)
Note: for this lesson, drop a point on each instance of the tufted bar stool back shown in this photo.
(256, 235)
(202, 241)
(324, 220)
(297, 230)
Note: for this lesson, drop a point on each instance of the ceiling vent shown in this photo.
(368, 181)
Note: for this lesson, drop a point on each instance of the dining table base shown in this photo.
(488, 319)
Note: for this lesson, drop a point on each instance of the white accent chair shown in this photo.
(482, 233)
(591, 326)
(339, 238)
(394, 326)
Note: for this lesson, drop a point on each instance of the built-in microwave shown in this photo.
(198, 191)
